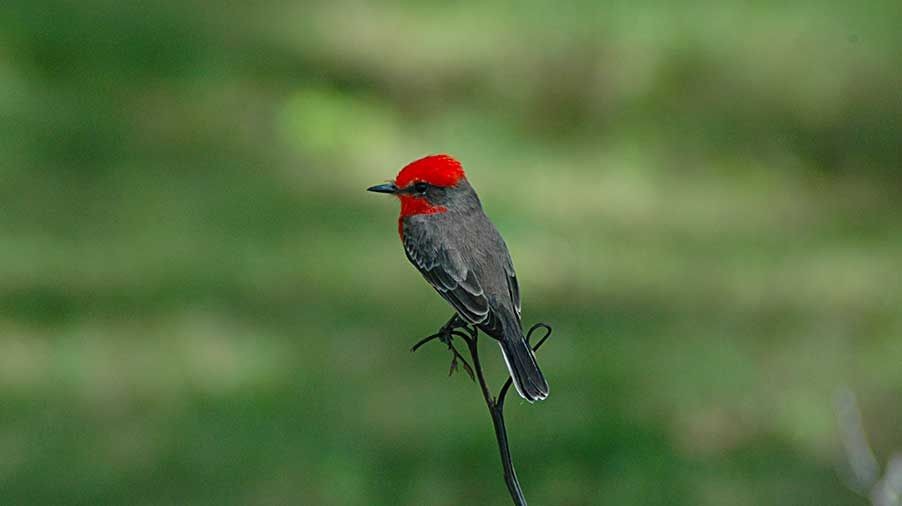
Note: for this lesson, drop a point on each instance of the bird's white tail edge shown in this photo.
(510, 370)
(539, 387)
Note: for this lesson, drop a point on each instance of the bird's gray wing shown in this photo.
(446, 271)
(512, 285)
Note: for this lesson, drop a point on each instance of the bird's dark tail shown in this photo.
(521, 362)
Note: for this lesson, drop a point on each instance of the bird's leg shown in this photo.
(446, 335)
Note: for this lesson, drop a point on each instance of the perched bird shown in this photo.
(451, 241)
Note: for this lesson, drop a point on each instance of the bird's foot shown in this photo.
(446, 335)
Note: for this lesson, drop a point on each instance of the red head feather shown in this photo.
(437, 170)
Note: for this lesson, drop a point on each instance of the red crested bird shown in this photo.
(450, 240)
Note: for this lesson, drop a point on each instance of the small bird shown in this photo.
(450, 240)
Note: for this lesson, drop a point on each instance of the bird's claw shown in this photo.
(446, 335)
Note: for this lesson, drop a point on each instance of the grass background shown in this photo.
(200, 305)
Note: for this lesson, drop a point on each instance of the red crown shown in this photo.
(437, 170)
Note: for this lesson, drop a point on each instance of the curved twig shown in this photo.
(495, 405)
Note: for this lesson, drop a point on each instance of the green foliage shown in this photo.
(200, 305)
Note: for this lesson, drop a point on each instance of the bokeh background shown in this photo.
(200, 305)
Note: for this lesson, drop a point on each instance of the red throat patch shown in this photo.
(411, 206)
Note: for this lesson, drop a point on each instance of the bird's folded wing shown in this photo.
(445, 270)
(512, 285)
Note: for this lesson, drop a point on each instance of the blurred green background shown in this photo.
(200, 305)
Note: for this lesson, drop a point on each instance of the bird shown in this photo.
(448, 237)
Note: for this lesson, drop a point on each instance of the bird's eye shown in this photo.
(420, 187)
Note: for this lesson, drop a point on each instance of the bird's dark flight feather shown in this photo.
(452, 281)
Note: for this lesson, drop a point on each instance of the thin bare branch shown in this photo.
(470, 335)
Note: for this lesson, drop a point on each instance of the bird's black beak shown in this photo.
(383, 188)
